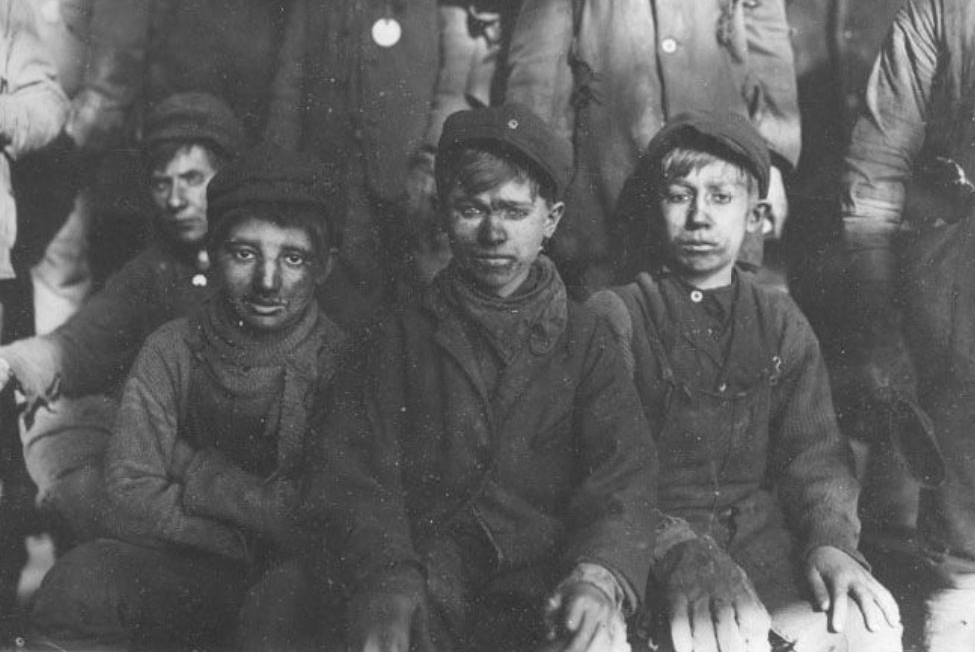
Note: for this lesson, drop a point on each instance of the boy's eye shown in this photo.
(241, 253)
(160, 186)
(677, 197)
(295, 260)
(194, 178)
(469, 211)
(516, 214)
(721, 197)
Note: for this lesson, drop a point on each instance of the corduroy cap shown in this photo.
(730, 131)
(512, 126)
(194, 116)
(271, 175)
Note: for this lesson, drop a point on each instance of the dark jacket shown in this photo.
(553, 469)
(793, 446)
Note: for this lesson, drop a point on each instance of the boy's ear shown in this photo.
(759, 218)
(555, 213)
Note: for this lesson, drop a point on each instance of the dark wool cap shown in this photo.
(512, 126)
(194, 116)
(269, 174)
(730, 131)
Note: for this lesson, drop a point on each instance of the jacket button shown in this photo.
(668, 45)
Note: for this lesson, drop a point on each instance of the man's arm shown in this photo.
(116, 69)
(773, 93)
(887, 140)
(145, 464)
(33, 107)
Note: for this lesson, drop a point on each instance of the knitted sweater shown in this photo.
(176, 480)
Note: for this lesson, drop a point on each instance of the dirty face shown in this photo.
(706, 214)
(497, 234)
(179, 190)
(269, 273)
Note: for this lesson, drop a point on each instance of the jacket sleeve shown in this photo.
(144, 463)
(772, 89)
(94, 349)
(216, 488)
(354, 486)
(811, 461)
(887, 139)
(116, 64)
(288, 86)
(539, 56)
(612, 516)
(33, 107)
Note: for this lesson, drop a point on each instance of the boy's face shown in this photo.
(706, 215)
(179, 190)
(269, 273)
(497, 235)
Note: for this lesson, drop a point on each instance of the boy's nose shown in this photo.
(492, 229)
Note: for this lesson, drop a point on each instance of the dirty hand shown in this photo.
(713, 605)
(834, 577)
(582, 614)
(382, 618)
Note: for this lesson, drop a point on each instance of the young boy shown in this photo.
(738, 401)
(203, 462)
(487, 467)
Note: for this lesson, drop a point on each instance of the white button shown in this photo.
(199, 281)
(696, 296)
(722, 387)
(668, 45)
(386, 32)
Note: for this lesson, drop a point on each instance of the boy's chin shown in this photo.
(702, 273)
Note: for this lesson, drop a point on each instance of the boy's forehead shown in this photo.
(713, 172)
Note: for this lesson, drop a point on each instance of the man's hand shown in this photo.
(713, 605)
(834, 576)
(384, 617)
(778, 203)
(6, 374)
(582, 614)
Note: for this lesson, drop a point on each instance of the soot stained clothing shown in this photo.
(737, 395)
(494, 444)
(210, 432)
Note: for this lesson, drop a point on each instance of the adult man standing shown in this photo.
(203, 464)
(920, 114)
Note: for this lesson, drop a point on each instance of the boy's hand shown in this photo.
(834, 576)
(713, 605)
(582, 614)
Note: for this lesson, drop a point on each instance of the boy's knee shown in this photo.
(808, 630)
(86, 596)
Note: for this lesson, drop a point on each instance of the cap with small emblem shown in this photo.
(511, 126)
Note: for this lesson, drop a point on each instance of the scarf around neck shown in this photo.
(535, 314)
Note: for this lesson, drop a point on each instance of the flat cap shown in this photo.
(194, 116)
(512, 126)
(269, 174)
(731, 132)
